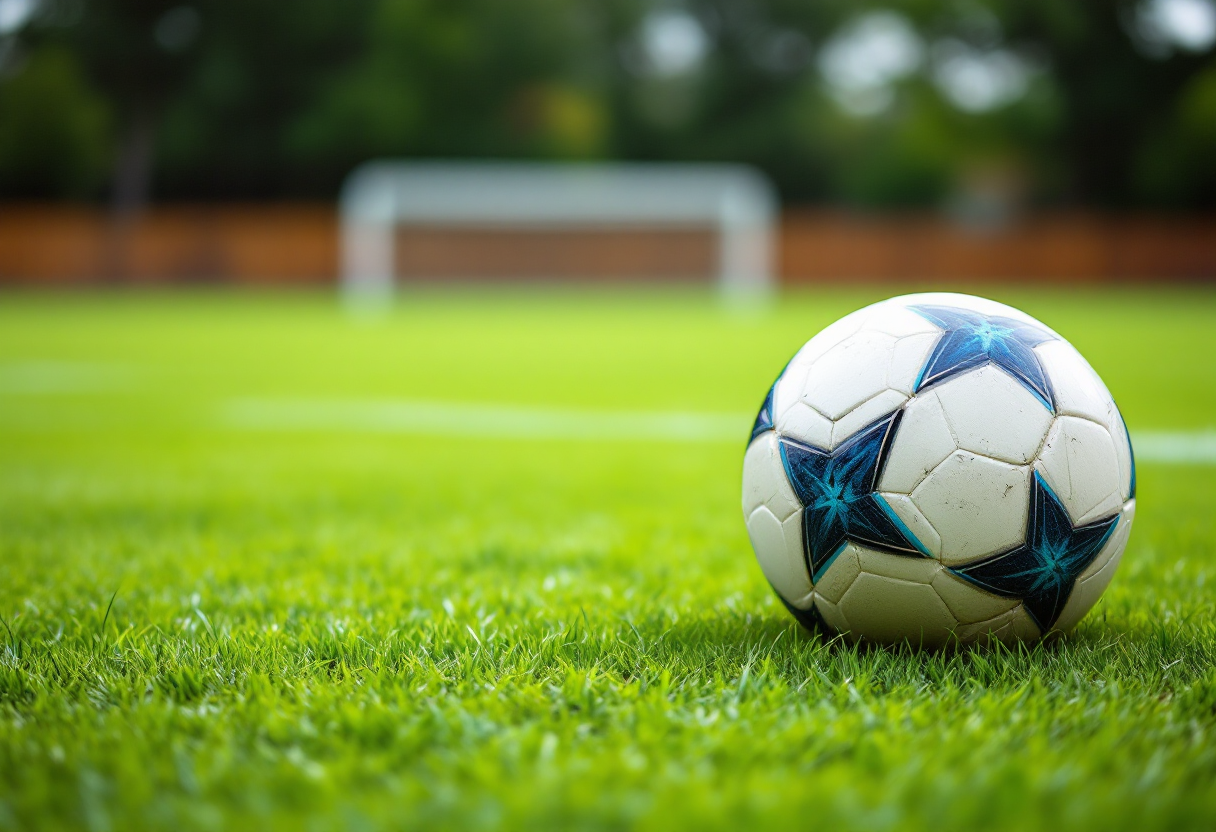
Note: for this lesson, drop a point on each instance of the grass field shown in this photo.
(214, 623)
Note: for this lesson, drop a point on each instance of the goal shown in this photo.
(735, 205)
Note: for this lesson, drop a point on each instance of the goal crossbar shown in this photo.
(736, 201)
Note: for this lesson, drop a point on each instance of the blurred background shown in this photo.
(147, 141)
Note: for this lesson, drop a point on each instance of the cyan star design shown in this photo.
(971, 339)
(840, 503)
(1043, 570)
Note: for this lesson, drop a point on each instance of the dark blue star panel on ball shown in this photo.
(971, 340)
(838, 492)
(1043, 570)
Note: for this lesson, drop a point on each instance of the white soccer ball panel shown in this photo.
(1094, 580)
(991, 414)
(910, 354)
(780, 556)
(803, 423)
(850, 373)
(831, 335)
(839, 575)
(865, 413)
(764, 480)
(1080, 392)
(894, 318)
(897, 567)
(1126, 515)
(1123, 453)
(832, 616)
(907, 511)
(1081, 466)
(890, 610)
(787, 392)
(922, 442)
(795, 558)
(979, 506)
(793, 381)
(1078, 389)
(968, 603)
(1022, 626)
(892, 599)
(1014, 625)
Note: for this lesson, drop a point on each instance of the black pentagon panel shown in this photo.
(971, 339)
(764, 419)
(1044, 569)
(837, 490)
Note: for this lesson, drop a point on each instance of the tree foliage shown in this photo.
(1085, 103)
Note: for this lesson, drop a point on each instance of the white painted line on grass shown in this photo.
(1181, 447)
(44, 377)
(491, 421)
(500, 421)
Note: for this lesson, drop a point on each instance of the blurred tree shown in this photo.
(892, 104)
(261, 66)
(1176, 164)
(466, 78)
(54, 129)
(1116, 89)
(137, 53)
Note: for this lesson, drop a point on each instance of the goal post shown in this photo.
(737, 203)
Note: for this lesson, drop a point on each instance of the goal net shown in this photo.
(428, 220)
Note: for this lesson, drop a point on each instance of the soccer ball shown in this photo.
(938, 468)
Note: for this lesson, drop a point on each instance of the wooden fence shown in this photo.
(54, 245)
(1078, 248)
(298, 244)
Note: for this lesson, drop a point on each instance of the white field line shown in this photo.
(37, 378)
(498, 421)
(491, 421)
(1180, 447)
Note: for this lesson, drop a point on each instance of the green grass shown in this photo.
(212, 628)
